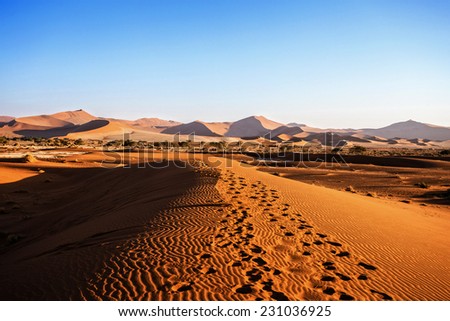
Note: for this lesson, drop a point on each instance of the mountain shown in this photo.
(253, 126)
(411, 129)
(199, 128)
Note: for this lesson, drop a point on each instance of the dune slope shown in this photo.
(69, 221)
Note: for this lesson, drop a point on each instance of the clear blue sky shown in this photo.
(325, 63)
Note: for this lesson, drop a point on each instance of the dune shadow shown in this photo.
(63, 131)
(59, 227)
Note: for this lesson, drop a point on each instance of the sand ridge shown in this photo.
(232, 240)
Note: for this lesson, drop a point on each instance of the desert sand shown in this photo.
(214, 230)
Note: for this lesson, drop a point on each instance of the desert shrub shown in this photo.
(129, 143)
(357, 149)
(79, 141)
(350, 189)
(444, 152)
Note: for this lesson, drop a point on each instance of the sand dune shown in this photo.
(147, 123)
(407, 245)
(204, 233)
(284, 133)
(199, 128)
(5, 119)
(253, 126)
(101, 129)
(42, 121)
(80, 124)
(77, 117)
(411, 129)
(76, 224)
(39, 126)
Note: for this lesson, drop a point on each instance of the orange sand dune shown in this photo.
(77, 117)
(60, 226)
(199, 128)
(214, 231)
(253, 126)
(42, 121)
(407, 243)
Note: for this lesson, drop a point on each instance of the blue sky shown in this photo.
(323, 63)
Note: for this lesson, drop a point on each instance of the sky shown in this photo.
(330, 64)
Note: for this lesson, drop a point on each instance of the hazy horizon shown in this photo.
(323, 63)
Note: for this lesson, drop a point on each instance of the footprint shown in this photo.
(343, 254)
(256, 249)
(276, 272)
(343, 277)
(267, 285)
(329, 291)
(334, 243)
(346, 297)
(210, 270)
(384, 296)
(181, 287)
(259, 261)
(245, 289)
(279, 296)
(254, 275)
(367, 266)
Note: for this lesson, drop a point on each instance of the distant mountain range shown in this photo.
(80, 124)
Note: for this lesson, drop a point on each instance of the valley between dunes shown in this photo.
(216, 229)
